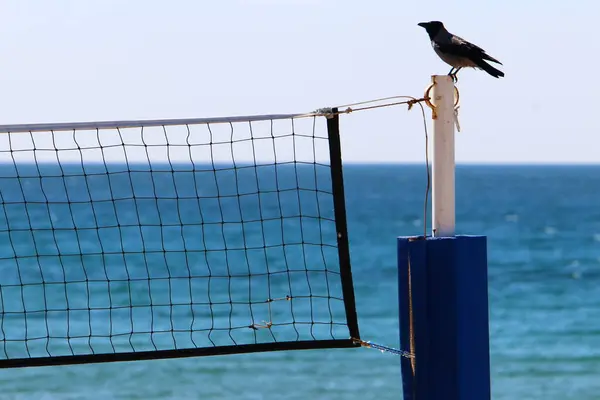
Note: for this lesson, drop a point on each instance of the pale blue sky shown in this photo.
(83, 60)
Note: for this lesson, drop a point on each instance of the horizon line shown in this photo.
(303, 162)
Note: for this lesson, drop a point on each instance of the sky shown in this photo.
(74, 60)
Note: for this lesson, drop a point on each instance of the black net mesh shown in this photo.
(167, 241)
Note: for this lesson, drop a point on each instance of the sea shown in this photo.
(543, 229)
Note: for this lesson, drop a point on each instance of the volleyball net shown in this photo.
(157, 239)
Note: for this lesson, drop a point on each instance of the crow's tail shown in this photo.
(488, 68)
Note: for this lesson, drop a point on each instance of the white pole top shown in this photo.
(443, 164)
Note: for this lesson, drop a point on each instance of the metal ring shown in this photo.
(426, 96)
(457, 97)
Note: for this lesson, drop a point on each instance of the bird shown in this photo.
(457, 52)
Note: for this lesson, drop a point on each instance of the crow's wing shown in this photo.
(460, 47)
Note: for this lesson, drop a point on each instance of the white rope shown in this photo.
(73, 126)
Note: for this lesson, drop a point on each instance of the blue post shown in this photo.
(443, 301)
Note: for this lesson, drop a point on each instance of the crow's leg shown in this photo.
(454, 76)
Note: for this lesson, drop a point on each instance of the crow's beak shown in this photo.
(423, 24)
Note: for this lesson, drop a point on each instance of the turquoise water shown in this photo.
(139, 260)
(543, 224)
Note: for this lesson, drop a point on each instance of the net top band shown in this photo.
(69, 126)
